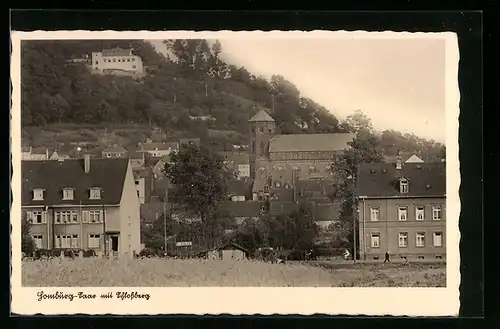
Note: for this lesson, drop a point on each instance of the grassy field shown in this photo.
(196, 272)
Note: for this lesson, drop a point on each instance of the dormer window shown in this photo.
(68, 194)
(95, 193)
(403, 185)
(38, 194)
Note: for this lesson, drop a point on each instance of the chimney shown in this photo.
(86, 163)
(399, 161)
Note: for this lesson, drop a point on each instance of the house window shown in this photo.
(375, 240)
(37, 217)
(94, 240)
(96, 62)
(403, 186)
(95, 194)
(436, 212)
(374, 214)
(420, 242)
(133, 59)
(61, 217)
(402, 213)
(38, 240)
(403, 239)
(419, 213)
(438, 239)
(68, 194)
(38, 194)
(94, 216)
(128, 59)
(67, 241)
(136, 182)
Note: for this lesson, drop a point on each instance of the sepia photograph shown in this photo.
(235, 160)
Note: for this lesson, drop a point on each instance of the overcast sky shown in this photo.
(399, 83)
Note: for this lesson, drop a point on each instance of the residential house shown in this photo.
(402, 209)
(83, 204)
(152, 211)
(58, 156)
(242, 210)
(239, 190)
(35, 153)
(117, 59)
(230, 251)
(143, 183)
(238, 162)
(158, 166)
(137, 159)
(157, 150)
(115, 151)
(326, 214)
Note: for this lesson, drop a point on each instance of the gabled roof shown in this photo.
(414, 159)
(261, 116)
(141, 172)
(327, 212)
(115, 149)
(379, 180)
(310, 142)
(53, 176)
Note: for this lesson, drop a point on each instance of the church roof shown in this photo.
(310, 142)
(261, 116)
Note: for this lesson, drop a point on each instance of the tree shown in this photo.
(199, 178)
(27, 242)
(365, 148)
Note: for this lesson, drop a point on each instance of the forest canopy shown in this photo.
(194, 82)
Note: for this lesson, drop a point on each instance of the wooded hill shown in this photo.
(195, 82)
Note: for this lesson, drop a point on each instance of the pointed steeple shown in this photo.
(261, 116)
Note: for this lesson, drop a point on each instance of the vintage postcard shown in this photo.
(235, 172)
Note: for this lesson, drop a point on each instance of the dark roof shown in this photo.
(233, 245)
(326, 212)
(261, 116)
(242, 208)
(54, 176)
(310, 142)
(283, 194)
(315, 185)
(239, 187)
(141, 172)
(378, 180)
(282, 208)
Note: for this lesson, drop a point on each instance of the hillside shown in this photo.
(61, 100)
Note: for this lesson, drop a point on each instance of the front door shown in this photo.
(114, 244)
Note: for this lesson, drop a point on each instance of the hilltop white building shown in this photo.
(117, 59)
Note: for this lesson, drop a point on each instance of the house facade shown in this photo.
(402, 210)
(115, 151)
(143, 183)
(82, 204)
(117, 59)
(157, 150)
(238, 162)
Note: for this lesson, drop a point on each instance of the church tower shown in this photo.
(262, 129)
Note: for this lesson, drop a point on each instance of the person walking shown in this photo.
(387, 259)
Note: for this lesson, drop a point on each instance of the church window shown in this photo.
(261, 148)
(312, 170)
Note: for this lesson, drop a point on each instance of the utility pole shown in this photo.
(165, 220)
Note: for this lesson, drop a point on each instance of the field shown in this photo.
(197, 272)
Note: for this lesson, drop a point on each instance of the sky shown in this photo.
(399, 83)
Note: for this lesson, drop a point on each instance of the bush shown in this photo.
(89, 253)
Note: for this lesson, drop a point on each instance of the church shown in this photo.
(279, 162)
